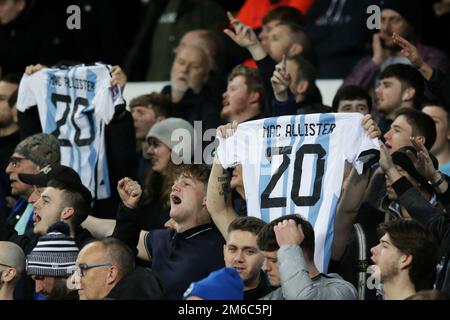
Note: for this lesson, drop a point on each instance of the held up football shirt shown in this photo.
(74, 105)
(295, 165)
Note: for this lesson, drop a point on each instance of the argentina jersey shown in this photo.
(75, 105)
(295, 165)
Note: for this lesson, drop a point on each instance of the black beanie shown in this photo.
(407, 9)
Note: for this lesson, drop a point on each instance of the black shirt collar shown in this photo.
(190, 233)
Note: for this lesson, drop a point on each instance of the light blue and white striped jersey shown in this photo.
(295, 165)
(74, 105)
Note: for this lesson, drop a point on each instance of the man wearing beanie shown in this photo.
(30, 155)
(64, 199)
(402, 18)
(223, 284)
(52, 261)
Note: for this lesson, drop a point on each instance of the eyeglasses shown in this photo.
(15, 161)
(5, 265)
(81, 269)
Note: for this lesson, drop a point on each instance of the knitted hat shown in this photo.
(409, 10)
(401, 159)
(54, 253)
(223, 284)
(165, 132)
(66, 176)
(41, 148)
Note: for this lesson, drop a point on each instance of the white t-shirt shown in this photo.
(75, 104)
(295, 165)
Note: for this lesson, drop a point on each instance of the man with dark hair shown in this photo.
(282, 14)
(400, 86)
(411, 84)
(106, 270)
(182, 255)
(241, 252)
(352, 99)
(288, 247)
(410, 123)
(244, 99)
(405, 259)
(64, 198)
(399, 17)
(288, 39)
(58, 195)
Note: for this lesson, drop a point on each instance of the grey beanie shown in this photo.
(55, 253)
(42, 148)
(174, 132)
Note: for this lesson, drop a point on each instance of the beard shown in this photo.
(5, 122)
(390, 272)
(59, 290)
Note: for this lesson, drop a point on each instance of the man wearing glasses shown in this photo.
(30, 155)
(105, 269)
(12, 265)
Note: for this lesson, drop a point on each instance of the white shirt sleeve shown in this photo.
(107, 97)
(363, 150)
(25, 96)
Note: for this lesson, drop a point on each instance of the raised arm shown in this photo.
(347, 210)
(351, 199)
(296, 282)
(118, 77)
(410, 52)
(245, 37)
(127, 227)
(218, 199)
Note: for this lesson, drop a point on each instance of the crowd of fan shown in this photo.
(181, 231)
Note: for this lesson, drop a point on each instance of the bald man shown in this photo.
(12, 265)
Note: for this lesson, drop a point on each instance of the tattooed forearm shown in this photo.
(224, 183)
